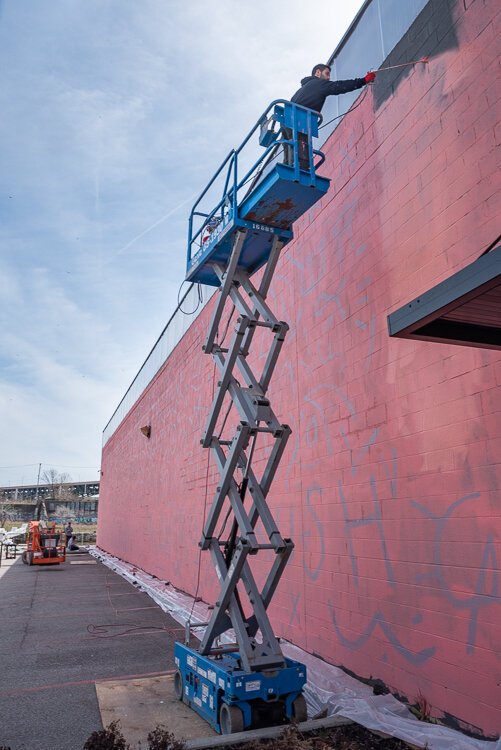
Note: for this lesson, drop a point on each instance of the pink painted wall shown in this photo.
(390, 485)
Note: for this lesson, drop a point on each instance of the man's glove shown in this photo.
(370, 77)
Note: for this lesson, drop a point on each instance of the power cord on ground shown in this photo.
(105, 630)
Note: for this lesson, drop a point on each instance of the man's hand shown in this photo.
(370, 77)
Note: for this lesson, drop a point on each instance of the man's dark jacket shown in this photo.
(314, 91)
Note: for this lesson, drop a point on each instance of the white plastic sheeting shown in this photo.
(5, 535)
(328, 689)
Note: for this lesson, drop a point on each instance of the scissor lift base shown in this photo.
(232, 700)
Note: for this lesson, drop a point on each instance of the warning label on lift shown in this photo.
(253, 685)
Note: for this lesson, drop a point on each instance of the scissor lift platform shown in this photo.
(276, 199)
(281, 198)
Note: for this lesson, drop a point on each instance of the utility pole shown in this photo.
(38, 482)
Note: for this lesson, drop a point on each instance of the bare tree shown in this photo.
(7, 512)
(55, 480)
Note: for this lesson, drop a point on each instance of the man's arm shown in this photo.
(343, 87)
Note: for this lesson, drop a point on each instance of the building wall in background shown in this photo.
(390, 485)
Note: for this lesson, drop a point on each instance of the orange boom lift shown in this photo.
(43, 546)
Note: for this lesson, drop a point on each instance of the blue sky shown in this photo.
(114, 115)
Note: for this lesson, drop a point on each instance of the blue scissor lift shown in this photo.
(244, 681)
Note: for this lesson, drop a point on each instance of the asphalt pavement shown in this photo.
(62, 628)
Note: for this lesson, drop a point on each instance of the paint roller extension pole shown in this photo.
(423, 60)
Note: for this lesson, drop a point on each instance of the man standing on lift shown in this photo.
(314, 91)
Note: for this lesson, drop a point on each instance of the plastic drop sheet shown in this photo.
(328, 689)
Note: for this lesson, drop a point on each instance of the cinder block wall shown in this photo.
(390, 485)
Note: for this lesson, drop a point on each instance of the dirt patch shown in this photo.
(349, 737)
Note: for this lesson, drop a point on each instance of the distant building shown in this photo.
(76, 500)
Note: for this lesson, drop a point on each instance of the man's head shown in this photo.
(321, 71)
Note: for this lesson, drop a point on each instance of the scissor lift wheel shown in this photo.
(299, 710)
(178, 685)
(231, 719)
(27, 558)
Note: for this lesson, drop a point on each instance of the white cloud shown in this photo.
(113, 116)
